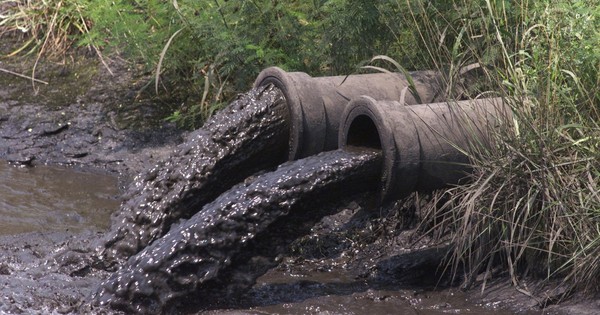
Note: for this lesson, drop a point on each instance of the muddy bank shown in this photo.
(84, 117)
(351, 256)
(43, 273)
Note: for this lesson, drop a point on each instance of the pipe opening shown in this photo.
(363, 133)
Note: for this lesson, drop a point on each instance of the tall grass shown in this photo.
(533, 206)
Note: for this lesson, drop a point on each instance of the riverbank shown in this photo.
(89, 119)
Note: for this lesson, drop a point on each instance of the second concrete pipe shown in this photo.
(424, 146)
(316, 104)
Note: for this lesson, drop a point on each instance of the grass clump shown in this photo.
(533, 206)
(45, 27)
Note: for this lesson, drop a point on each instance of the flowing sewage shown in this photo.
(283, 117)
(249, 135)
(177, 265)
(180, 248)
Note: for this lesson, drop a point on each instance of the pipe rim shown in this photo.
(361, 107)
(400, 167)
(307, 115)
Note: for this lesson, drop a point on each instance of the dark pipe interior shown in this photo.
(363, 133)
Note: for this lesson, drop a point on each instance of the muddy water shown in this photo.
(342, 292)
(249, 135)
(195, 253)
(48, 198)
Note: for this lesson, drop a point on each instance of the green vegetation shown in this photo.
(208, 51)
(533, 207)
(205, 52)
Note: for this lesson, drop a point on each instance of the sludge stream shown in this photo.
(207, 258)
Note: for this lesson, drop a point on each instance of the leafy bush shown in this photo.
(208, 51)
(205, 52)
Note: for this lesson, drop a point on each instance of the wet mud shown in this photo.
(247, 136)
(46, 272)
(341, 292)
(85, 117)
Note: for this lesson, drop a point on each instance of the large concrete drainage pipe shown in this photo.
(317, 103)
(423, 145)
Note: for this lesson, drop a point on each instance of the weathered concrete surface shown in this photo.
(316, 104)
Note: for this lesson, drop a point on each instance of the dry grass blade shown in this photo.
(411, 83)
(44, 44)
(160, 60)
(22, 76)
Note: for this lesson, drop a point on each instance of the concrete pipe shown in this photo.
(316, 104)
(423, 145)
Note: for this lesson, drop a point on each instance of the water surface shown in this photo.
(342, 292)
(45, 198)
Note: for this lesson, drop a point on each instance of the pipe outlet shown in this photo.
(316, 104)
(423, 146)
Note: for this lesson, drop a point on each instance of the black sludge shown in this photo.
(249, 135)
(190, 255)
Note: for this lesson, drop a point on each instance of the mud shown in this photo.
(46, 272)
(247, 136)
(340, 292)
(84, 117)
